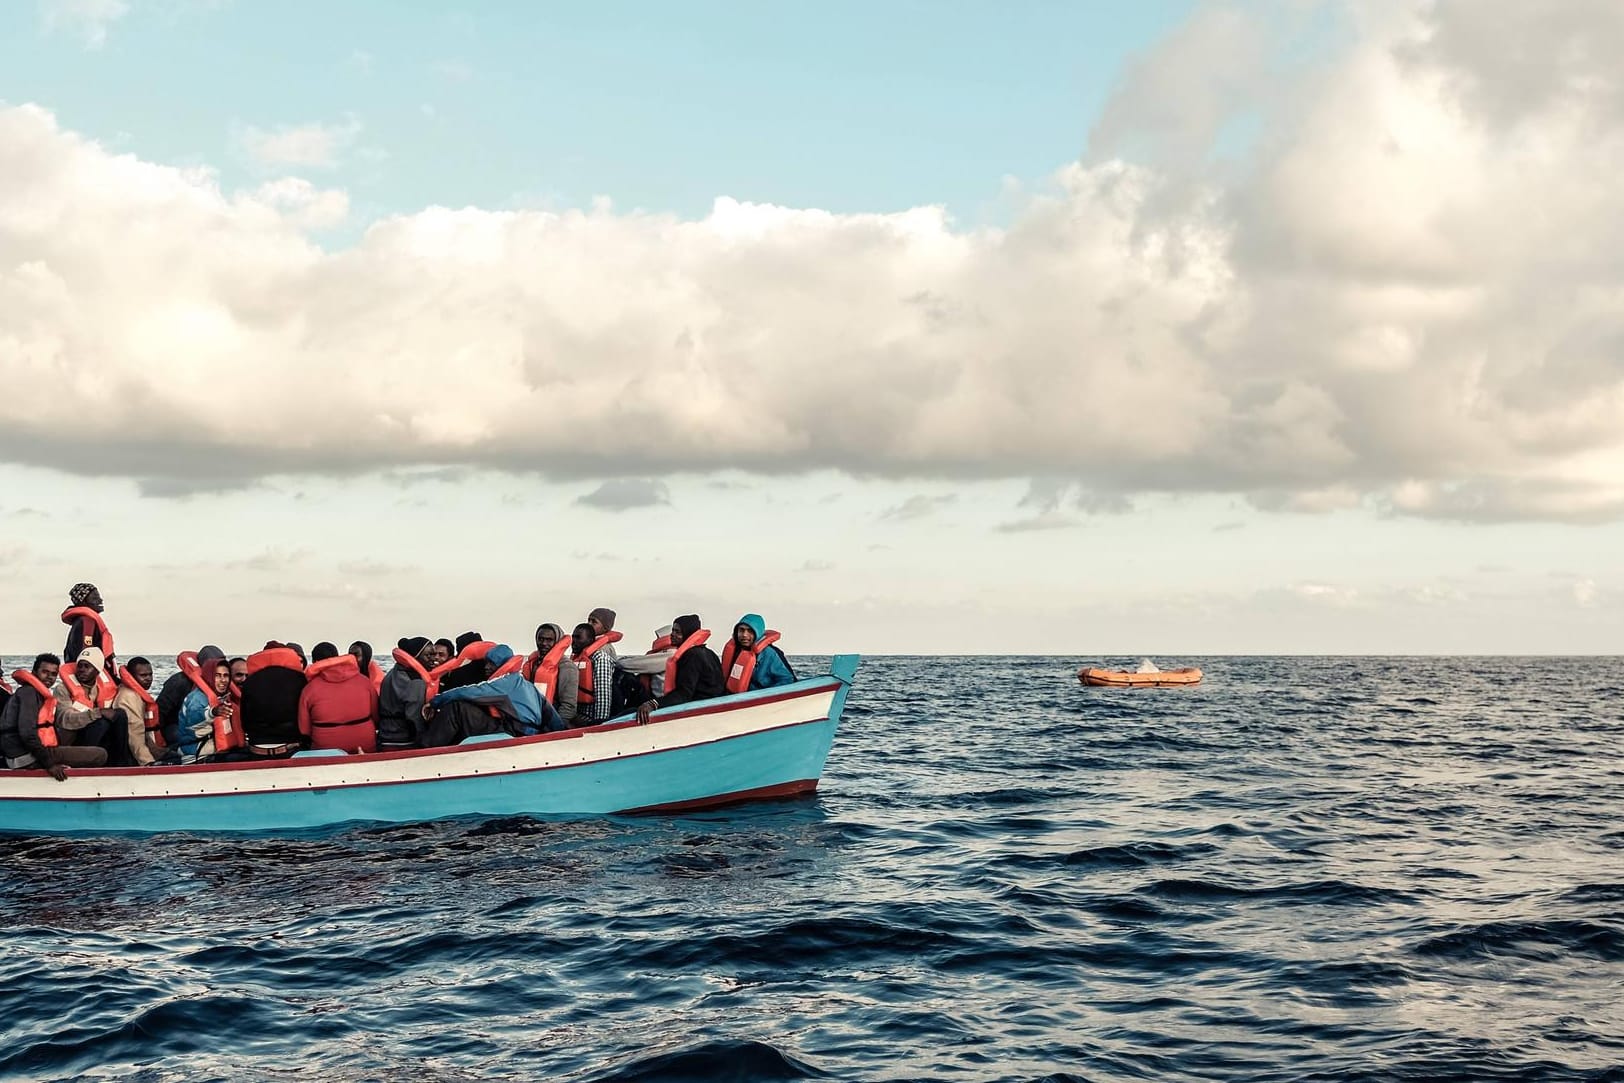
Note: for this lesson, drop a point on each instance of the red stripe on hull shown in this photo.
(760, 793)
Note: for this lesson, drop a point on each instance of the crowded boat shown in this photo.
(88, 708)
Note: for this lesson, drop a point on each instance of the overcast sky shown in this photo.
(915, 327)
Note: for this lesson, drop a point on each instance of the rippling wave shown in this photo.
(1303, 869)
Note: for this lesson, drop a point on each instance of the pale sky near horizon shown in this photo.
(1092, 330)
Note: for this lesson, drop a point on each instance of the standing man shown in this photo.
(86, 628)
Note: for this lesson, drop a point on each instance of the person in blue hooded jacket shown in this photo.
(460, 713)
(772, 667)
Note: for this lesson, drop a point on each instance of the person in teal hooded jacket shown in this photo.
(772, 667)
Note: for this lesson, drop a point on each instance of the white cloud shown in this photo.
(87, 19)
(311, 146)
(1403, 293)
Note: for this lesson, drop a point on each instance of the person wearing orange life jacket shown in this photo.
(603, 624)
(143, 732)
(85, 695)
(209, 698)
(361, 651)
(339, 707)
(270, 700)
(86, 628)
(555, 678)
(595, 666)
(752, 659)
(28, 725)
(693, 672)
(405, 693)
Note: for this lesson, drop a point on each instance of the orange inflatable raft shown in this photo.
(1117, 678)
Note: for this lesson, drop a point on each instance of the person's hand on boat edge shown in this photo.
(53, 768)
(644, 709)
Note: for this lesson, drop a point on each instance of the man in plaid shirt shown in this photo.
(602, 681)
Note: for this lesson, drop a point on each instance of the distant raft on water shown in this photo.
(1146, 676)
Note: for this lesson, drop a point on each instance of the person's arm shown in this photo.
(772, 670)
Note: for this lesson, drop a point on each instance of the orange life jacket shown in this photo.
(661, 643)
(45, 721)
(543, 671)
(512, 665)
(315, 669)
(227, 734)
(92, 617)
(688, 644)
(105, 688)
(585, 694)
(275, 658)
(740, 672)
(149, 706)
(375, 675)
(431, 679)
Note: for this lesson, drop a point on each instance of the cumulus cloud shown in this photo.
(89, 20)
(312, 146)
(1400, 290)
(626, 494)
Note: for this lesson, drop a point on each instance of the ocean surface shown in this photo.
(1304, 869)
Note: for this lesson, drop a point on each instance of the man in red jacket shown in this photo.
(339, 707)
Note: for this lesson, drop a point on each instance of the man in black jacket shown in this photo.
(699, 672)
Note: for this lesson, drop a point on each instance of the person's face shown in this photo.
(95, 601)
(239, 672)
(597, 626)
(744, 636)
(442, 654)
(545, 640)
(222, 680)
(581, 640)
(47, 673)
(142, 674)
(676, 636)
(86, 672)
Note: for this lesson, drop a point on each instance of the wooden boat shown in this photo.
(1117, 678)
(763, 744)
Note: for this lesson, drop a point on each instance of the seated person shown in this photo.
(270, 700)
(554, 677)
(176, 687)
(400, 700)
(87, 692)
(753, 660)
(140, 711)
(199, 709)
(29, 738)
(693, 671)
(508, 704)
(339, 707)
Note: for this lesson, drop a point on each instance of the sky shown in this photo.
(1165, 329)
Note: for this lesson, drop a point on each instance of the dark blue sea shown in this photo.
(1305, 869)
